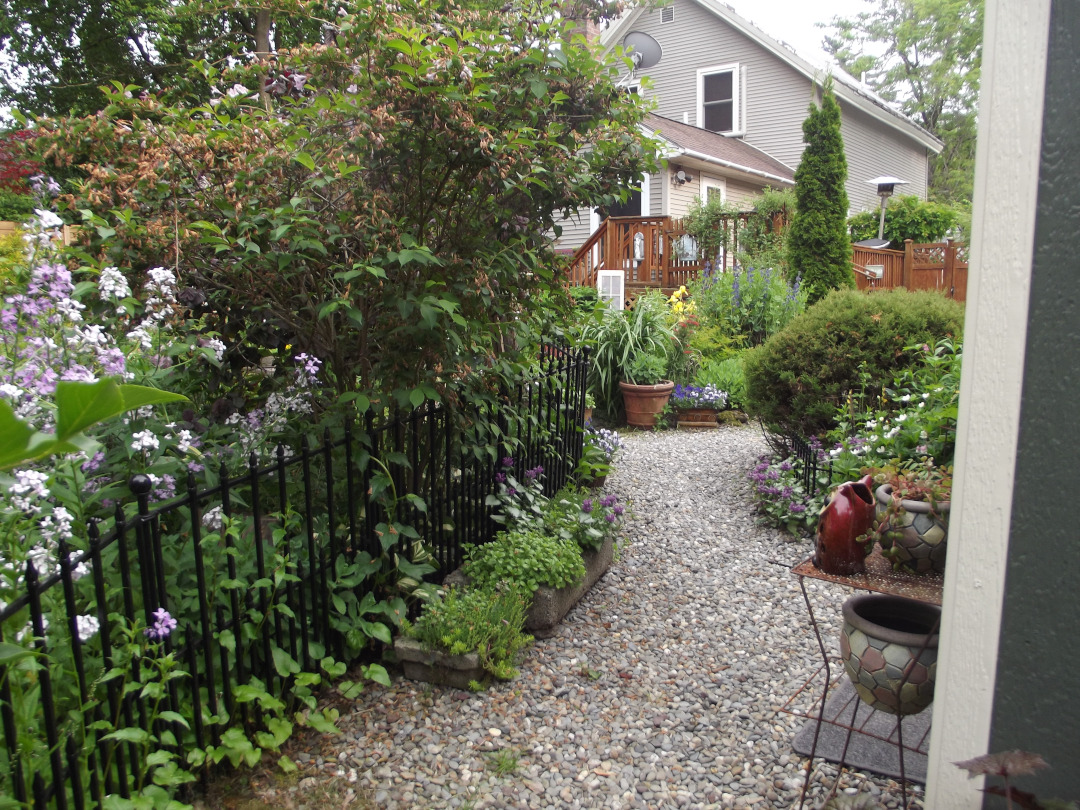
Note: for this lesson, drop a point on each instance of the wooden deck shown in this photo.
(650, 251)
(940, 266)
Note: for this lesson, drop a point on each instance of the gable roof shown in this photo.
(711, 147)
(846, 87)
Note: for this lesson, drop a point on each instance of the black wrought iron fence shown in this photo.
(815, 470)
(251, 570)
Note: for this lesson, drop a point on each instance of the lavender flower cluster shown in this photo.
(693, 396)
(607, 441)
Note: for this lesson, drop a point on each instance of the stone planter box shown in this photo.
(550, 605)
(433, 666)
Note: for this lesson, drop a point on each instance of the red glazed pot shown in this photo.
(848, 515)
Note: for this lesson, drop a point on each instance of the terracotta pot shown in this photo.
(889, 648)
(698, 418)
(645, 402)
(918, 533)
(848, 515)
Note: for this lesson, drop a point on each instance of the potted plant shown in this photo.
(621, 339)
(590, 404)
(597, 452)
(697, 406)
(912, 521)
(645, 391)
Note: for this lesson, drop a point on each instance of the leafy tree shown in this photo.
(55, 54)
(924, 55)
(906, 217)
(387, 211)
(818, 246)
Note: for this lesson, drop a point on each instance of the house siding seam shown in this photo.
(871, 153)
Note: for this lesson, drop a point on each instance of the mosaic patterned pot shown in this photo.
(889, 648)
(921, 544)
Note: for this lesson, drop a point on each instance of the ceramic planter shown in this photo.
(644, 403)
(889, 648)
(698, 418)
(847, 516)
(920, 545)
(433, 666)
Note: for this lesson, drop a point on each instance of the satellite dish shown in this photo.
(642, 48)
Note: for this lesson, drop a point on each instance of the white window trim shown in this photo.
(713, 182)
(736, 91)
(613, 302)
(646, 208)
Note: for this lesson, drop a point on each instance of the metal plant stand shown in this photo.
(879, 578)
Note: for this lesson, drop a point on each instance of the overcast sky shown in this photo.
(793, 20)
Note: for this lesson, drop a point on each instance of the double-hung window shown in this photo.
(718, 99)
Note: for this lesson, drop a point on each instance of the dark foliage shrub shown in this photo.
(798, 377)
(906, 217)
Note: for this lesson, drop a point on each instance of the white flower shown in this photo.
(927, 396)
(236, 91)
(184, 441)
(92, 335)
(86, 626)
(871, 424)
(144, 440)
(112, 285)
(218, 347)
(922, 404)
(28, 484)
(72, 310)
(881, 450)
(901, 417)
(214, 519)
(47, 219)
(28, 631)
(57, 525)
(906, 398)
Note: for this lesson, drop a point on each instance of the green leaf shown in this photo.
(287, 765)
(10, 653)
(305, 160)
(133, 735)
(377, 673)
(174, 717)
(284, 663)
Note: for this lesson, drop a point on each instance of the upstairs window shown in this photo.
(718, 99)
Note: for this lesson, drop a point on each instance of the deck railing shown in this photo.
(650, 251)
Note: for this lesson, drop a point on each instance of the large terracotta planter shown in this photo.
(889, 648)
(644, 403)
(847, 516)
(698, 418)
(915, 536)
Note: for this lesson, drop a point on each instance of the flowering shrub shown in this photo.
(694, 396)
(597, 452)
(909, 422)
(779, 495)
(583, 517)
(750, 304)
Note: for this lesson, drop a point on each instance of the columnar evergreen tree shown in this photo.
(818, 248)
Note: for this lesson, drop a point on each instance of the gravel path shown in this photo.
(660, 690)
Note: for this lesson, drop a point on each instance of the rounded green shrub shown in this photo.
(798, 377)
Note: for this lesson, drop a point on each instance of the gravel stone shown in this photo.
(662, 688)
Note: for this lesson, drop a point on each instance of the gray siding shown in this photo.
(742, 194)
(872, 152)
(775, 100)
(680, 196)
(575, 231)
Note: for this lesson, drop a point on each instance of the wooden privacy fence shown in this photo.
(940, 266)
(7, 228)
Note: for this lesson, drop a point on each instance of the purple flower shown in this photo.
(586, 505)
(163, 625)
(610, 518)
(619, 509)
(797, 508)
(534, 473)
(785, 466)
(511, 491)
(93, 464)
(508, 461)
(608, 500)
(500, 478)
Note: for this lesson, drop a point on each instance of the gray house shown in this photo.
(729, 105)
